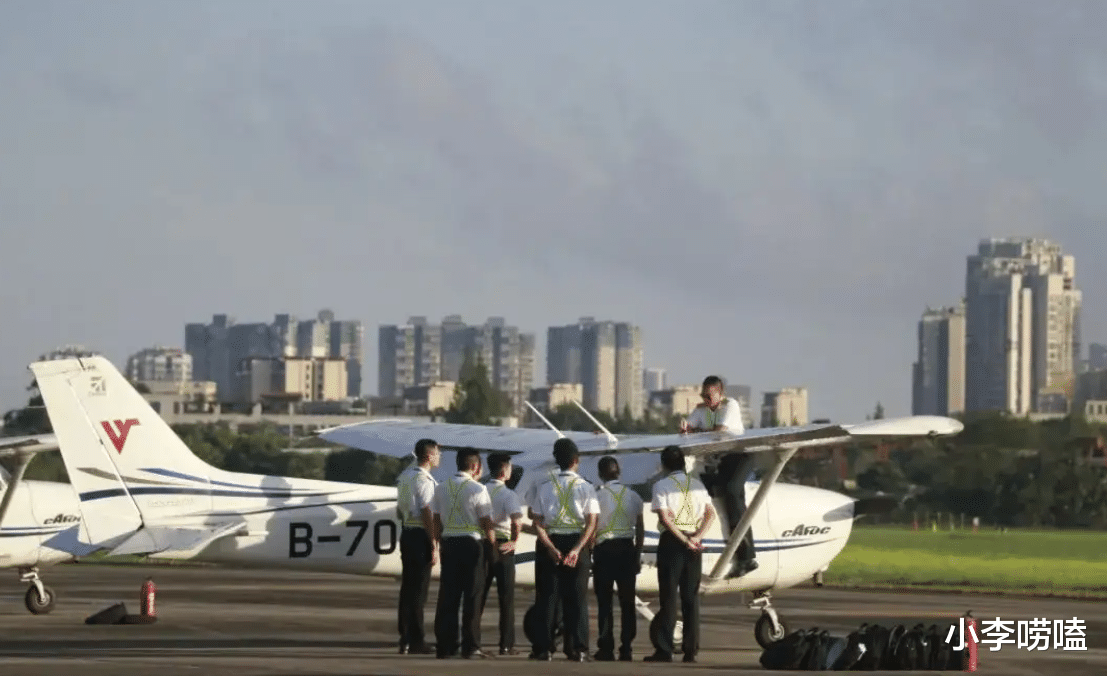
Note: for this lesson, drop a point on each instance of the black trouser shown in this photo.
(678, 566)
(461, 583)
(615, 562)
(415, 556)
(503, 572)
(733, 471)
(557, 581)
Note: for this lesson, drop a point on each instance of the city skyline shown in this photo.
(744, 181)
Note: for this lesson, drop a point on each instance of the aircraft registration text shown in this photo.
(302, 538)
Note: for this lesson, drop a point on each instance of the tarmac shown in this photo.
(230, 621)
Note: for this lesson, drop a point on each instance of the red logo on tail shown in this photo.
(118, 435)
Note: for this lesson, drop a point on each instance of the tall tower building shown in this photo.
(604, 357)
(1022, 325)
(421, 353)
(938, 375)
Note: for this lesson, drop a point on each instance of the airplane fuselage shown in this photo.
(39, 513)
(797, 532)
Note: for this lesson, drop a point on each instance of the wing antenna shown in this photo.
(611, 438)
(543, 418)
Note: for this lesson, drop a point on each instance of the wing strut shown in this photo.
(548, 423)
(9, 493)
(611, 438)
(718, 573)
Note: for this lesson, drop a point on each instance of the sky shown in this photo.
(773, 191)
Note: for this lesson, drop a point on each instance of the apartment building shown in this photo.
(159, 364)
(604, 357)
(938, 374)
(785, 407)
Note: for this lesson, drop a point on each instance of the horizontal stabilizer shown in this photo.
(70, 542)
(36, 443)
(166, 540)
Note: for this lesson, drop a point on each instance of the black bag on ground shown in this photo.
(790, 652)
(110, 615)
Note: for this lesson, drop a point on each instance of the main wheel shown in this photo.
(655, 632)
(764, 632)
(39, 605)
(531, 626)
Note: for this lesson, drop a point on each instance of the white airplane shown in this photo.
(142, 491)
(39, 521)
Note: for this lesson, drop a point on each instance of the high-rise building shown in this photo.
(604, 357)
(938, 375)
(743, 394)
(784, 408)
(160, 364)
(219, 349)
(1022, 324)
(1097, 357)
(420, 354)
(653, 380)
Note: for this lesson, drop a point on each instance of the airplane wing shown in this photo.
(35, 443)
(397, 437)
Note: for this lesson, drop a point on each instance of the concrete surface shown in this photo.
(241, 622)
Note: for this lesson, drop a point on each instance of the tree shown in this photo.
(476, 401)
(878, 413)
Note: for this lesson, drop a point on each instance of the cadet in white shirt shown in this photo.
(684, 514)
(565, 512)
(507, 512)
(418, 543)
(462, 517)
(719, 413)
(616, 559)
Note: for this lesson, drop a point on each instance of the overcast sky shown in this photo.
(772, 190)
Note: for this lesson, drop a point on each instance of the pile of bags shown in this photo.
(871, 647)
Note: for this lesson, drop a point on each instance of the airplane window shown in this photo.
(516, 475)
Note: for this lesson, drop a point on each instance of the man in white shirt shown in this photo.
(507, 513)
(462, 517)
(720, 413)
(616, 560)
(716, 413)
(684, 513)
(418, 543)
(565, 512)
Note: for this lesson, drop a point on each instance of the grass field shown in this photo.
(1055, 563)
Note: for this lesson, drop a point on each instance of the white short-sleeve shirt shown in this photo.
(728, 413)
(460, 502)
(683, 495)
(620, 507)
(505, 505)
(564, 502)
(415, 491)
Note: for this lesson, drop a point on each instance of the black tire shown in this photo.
(764, 633)
(530, 628)
(655, 631)
(39, 605)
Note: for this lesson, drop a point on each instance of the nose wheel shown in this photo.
(769, 628)
(39, 598)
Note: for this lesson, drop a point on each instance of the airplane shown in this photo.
(142, 491)
(38, 521)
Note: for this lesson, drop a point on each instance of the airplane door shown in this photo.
(20, 518)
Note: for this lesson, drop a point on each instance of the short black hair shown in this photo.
(423, 449)
(565, 452)
(466, 458)
(496, 462)
(672, 458)
(608, 468)
(711, 381)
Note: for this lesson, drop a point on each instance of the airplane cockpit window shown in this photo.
(516, 476)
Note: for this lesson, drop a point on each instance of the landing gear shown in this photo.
(818, 578)
(40, 598)
(769, 628)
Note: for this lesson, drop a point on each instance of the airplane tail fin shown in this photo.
(125, 462)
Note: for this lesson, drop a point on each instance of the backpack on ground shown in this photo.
(790, 652)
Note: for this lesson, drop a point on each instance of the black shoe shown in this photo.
(658, 657)
(580, 657)
(508, 651)
(543, 656)
(404, 648)
(604, 656)
(689, 658)
(421, 649)
(625, 656)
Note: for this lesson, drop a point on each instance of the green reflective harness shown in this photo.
(566, 521)
(686, 504)
(412, 519)
(610, 531)
(455, 522)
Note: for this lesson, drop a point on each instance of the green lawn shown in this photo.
(1069, 563)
